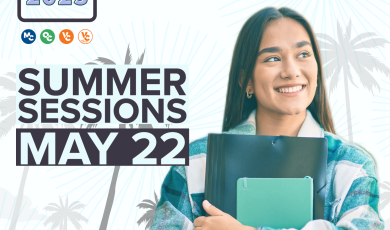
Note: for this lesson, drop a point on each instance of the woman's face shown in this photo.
(285, 73)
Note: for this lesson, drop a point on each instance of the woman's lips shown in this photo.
(291, 91)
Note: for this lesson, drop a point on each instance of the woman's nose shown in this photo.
(290, 69)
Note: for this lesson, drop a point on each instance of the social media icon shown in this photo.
(85, 36)
(28, 36)
(47, 36)
(66, 36)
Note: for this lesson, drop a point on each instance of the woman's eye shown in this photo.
(272, 59)
(307, 55)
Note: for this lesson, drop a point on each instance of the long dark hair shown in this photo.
(238, 107)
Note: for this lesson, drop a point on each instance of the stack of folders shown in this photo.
(275, 202)
(280, 163)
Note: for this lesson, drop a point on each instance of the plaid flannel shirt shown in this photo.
(352, 194)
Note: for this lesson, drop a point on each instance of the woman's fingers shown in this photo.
(211, 209)
(198, 222)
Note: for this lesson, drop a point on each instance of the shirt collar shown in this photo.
(309, 128)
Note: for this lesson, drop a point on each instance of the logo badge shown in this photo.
(47, 36)
(66, 36)
(85, 36)
(89, 10)
(28, 36)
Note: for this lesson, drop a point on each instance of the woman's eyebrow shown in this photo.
(275, 49)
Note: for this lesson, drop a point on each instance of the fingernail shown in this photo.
(206, 203)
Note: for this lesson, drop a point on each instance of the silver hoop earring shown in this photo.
(248, 95)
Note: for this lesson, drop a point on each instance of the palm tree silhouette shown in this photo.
(62, 213)
(111, 193)
(148, 216)
(8, 109)
(341, 55)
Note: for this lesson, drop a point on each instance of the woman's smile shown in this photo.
(290, 90)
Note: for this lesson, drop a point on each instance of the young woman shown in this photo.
(276, 87)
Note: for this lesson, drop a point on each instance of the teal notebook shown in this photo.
(275, 202)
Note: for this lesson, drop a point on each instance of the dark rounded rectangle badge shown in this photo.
(102, 147)
(24, 7)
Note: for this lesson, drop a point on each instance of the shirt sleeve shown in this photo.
(174, 210)
(359, 210)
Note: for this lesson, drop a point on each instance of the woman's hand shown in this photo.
(218, 220)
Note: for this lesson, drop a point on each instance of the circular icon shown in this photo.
(47, 36)
(85, 36)
(28, 36)
(66, 36)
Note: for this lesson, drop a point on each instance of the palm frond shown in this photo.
(149, 201)
(55, 205)
(90, 63)
(339, 32)
(366, 60)
(7, 83)
(347, 73)
(7, 124)
(149, 224)
(50, 208)
(363, 36)
(328, 55)
(146, 217)
(75, 223)
(56, 224)
(77, 206)
(156, 198)
(53, 218)
(8, 105)
(128, 57)
(331, 66)
(145, 206)
(73, 203)
(385, 183)
(368, 80)
(105, 61)
(334, 80)
(347, 34)
(141, 58)
(326, 38)
(76, 218)
(372, 43)
(62, 205)
(325, 46)
(11, 75)
(386, 200)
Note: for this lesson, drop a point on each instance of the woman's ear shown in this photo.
(249, 87)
